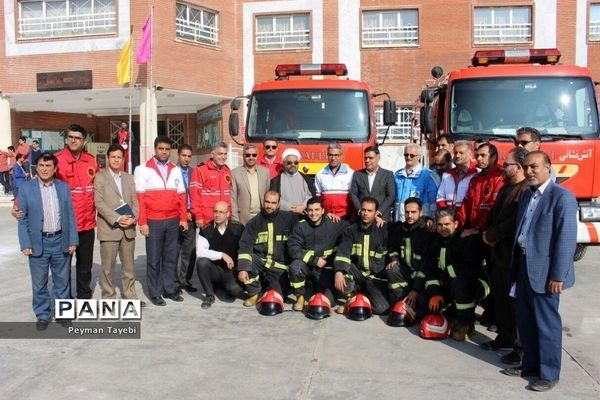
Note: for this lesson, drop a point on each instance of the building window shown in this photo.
(501, 25)
(390, 28)
(197, 24)
(176, 131)
(594, 31)
(283, 32)
(402, 131)
(63, 18)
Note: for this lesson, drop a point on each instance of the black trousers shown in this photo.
(214, 272)
(503, 303)
(400, 283)
(272, 278)
(322, 279)
(161, 256)
(186, 259)
(374, 286)
(84, 258)
(5, 181)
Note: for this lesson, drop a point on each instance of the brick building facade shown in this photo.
(205, 52)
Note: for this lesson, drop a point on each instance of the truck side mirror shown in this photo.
(235, 104)
(390, 115)
(234, 124)
(426, 119)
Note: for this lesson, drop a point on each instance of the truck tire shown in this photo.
(579, 251)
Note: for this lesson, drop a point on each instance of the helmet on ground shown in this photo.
(271, 303)
(401, 314)
(435, 326)
(318, 307)
(359, 308)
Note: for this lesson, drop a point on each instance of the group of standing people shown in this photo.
(18, 165)
(438, 240)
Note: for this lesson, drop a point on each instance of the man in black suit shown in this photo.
(374, 181)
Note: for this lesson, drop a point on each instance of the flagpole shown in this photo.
(130, 131)
(153, 89)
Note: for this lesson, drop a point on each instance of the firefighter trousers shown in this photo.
(466, 292)
(273, 276)
(373, 285)
(322, 279)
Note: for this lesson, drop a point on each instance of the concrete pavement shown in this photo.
(229, 352)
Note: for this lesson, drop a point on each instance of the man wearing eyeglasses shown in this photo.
(294, 187)
(249, 184)
(270, 160)
(78, 168)
(499, 236)
(530, 139)
(414, 180)
(332, 183)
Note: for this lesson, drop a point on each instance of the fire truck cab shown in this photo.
(504, 90)
(308, 106)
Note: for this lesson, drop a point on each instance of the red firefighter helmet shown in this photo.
(318, 307)
(435, 326)
(271, 303)
(359, 308)
(401, 314)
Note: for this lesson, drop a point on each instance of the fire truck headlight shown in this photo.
(589, 212)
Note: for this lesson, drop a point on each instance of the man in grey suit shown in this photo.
(542, 266)
(374, 181)
(114, 188)
(47, 235)
(249, 184)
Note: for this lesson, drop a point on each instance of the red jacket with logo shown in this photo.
(208, 185)
(481, 196)
(79, 174)
(160, 199)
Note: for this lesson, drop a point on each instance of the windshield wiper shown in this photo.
(498, 137)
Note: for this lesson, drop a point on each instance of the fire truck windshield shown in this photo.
(309, 115)
(556, 106)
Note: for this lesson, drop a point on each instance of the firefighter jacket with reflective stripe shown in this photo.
(209, 185)
(308, 242)
(79, 174)
(158, 199)
(480, 198)
(365, 247)
(266, 236)
(408, 245)
(451, 257)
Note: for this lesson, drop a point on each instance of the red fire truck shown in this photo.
(504, 90)
(308, 106)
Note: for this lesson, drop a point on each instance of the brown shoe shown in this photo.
(299, 304)
(251, 301)
(460, 332)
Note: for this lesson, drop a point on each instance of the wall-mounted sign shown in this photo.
(66, 80)
(209, 114)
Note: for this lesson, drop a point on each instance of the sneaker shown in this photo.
(206, 304)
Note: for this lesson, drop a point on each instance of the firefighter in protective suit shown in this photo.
(262, 253)
(408, 243)
(311, 246)
(455, 273)
(361, 258)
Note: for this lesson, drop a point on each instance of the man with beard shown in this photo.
(262, 253)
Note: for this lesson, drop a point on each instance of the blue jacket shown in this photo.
(420, 184)
(551, 239)
(29, 200)
(19, 175)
